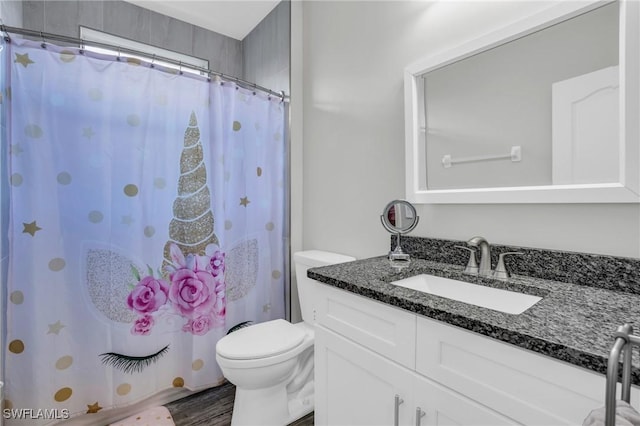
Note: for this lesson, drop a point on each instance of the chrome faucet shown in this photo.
(485, 255)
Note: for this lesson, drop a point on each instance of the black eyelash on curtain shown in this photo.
(239, 326)
(131, 364)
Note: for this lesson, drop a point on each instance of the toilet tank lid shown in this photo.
(314, 258)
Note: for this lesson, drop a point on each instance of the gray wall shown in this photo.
(353, 114)
(133, 22)
(266, 50)
(11, 13)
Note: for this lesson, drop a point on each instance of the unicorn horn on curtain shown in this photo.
(192, 259)
(192, 226)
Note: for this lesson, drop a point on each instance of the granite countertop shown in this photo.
(572, 323)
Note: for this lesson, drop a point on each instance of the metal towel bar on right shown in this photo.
(625, 340)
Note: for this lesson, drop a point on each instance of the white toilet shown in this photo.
(271, 363)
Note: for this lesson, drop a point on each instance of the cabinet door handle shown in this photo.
(419, 415)
(396, 410)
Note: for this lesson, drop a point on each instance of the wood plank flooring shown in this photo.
(212, 407)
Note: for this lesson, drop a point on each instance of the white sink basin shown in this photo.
(510, 302)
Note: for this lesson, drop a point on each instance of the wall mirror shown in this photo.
(544, 110)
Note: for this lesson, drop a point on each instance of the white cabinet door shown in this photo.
(442, 406)
(355, 386)
(386, 330)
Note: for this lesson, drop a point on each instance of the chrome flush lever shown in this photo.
(396, 410)
(472, 264)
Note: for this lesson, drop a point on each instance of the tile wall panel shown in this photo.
(133, 22)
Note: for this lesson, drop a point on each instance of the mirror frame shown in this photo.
(627, 190)
(384, 217)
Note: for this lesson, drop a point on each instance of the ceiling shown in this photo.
(233, 18)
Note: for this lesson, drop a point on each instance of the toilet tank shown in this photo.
(304, 260)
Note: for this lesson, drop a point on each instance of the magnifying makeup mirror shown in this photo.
(399, 217)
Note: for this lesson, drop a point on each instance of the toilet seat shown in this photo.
(264, 340)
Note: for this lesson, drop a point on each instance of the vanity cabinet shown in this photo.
(367, 353)
(355, 386)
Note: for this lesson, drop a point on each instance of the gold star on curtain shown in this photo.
(55, 327)
(23, 60)
(30, 228)
(16, 149)
(87, 132)
(244, 201)
(93, 408)
(127, 220)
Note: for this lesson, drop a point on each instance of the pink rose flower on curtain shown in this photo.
(195, 291)
(192, 292)
(217, 263)
(202, 324)
(148, 295)
(143, 325)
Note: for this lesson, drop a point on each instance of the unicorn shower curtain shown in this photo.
(147, 218)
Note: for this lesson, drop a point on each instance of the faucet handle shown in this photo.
(501, 272)
(472, 264)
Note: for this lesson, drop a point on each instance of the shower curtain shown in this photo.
(146, 219)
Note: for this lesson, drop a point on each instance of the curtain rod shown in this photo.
(81, 43)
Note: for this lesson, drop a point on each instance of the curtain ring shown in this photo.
(5, 32)
(118, 57)
(282, 95)
(44, 43)
(180, 67)
(153, 59)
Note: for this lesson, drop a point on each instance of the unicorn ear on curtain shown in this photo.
(192, 263)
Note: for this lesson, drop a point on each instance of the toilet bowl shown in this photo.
(271, 363)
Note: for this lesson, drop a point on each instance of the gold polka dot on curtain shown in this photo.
(123, 389)
(149, 231)
(64, 178)
(16, 346)
(16, 297)
(57, 264)
(131, 190)
(95, 94)
(16, 179)
(159, 183)
(67, 56)
(197, 364)
(64, 362)
(63, 394)
(95, 216)
(133, 120)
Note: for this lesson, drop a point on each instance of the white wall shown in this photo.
(353, 55)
